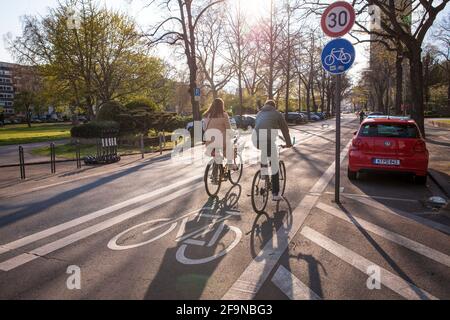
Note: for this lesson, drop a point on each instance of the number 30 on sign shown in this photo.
(338, 19)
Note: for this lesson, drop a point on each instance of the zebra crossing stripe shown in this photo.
(395, 283)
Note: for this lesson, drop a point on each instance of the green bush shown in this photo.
(142, 105)
(114, 111)
(94, 129)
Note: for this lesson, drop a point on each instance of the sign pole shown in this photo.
(337, 181)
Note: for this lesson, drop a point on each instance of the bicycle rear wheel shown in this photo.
(236, 175)
(213, 178)
(282, 177)
(260, 193)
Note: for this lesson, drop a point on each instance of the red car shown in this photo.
(389, 144)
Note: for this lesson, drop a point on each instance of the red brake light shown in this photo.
(420, 146)
(356, 143)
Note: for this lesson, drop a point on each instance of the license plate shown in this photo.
(386, 162)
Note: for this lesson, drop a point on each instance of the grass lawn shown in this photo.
(445, 121)
(21, 134)
(68, 151)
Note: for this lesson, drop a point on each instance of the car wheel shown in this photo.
(421, 180)
(352, 175)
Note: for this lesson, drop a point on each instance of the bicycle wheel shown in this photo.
(213, 178)
(329, 60)
(282, 177)
(236, 175)
(260, 193)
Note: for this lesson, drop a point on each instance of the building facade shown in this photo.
(7, 88)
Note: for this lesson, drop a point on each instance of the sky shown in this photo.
(12, 11)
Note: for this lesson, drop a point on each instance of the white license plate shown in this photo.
(386, 162)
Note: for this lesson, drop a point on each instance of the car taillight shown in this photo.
(420, 146)
(356, 143)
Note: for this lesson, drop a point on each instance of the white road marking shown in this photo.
(375, 197)
(181, 252)
(63, 242)
(389, 235)
(292, 287)
(75, 222)
(399, 213)
(259, 269)
(388, 279)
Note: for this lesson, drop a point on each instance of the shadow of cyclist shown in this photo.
(189, 278)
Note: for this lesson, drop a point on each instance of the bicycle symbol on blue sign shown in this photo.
(338, 56)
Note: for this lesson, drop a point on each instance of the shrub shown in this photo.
(142, 105)
(114, 111)
(94, 129)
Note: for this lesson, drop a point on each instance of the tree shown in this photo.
(238, 48)
(179, 28)
(443, 38)
(407, 23)
(211, 50)
(94, 54)
(28, 96)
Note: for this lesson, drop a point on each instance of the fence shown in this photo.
(108, 149)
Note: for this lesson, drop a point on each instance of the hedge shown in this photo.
(94, 129)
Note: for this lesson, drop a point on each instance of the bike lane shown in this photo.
(152, 271)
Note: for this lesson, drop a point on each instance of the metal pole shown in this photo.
(161, 143)
(52, 158)
(78, 154)
(337, 182)
(142, 146)
(22, 163)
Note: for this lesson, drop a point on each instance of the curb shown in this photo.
(441, 183)
(439, 124)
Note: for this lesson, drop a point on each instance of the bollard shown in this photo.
(142, 146)
(52, 158)
(22, 163)
(160, 144)
(78, 154)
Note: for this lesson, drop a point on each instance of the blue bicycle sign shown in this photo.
(338, 56)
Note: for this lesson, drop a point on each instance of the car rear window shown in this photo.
(391, 130)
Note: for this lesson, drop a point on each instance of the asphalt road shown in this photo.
(151, 232)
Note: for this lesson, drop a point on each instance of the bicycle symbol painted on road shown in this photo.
(207, 236)
(338, 55)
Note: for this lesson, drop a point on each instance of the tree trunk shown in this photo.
(27, 110)
(299, 94)
(308, 101)
(398, 84)
(417, 83)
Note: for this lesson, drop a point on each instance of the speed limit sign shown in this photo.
(338, 19)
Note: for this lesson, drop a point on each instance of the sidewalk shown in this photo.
(40, 177)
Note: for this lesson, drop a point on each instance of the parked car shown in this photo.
(296, 118)
(245, 121)
(389, 144)
(6, 121)
(321, 115)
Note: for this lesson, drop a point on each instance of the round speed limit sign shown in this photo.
(338, 19)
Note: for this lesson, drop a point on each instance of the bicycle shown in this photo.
(215, 172)
(339, 55)
(262, 186)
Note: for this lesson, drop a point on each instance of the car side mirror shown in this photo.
(355, 133)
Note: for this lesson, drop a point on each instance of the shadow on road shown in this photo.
(176, 280)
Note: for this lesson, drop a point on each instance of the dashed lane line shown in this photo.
(63, 242)
(292, 287)
(395, 283)
(389, 235)
(259, 269)
(403, 214)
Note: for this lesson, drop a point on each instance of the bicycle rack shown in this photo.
(107, 149)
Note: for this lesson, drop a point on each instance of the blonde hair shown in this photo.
(216, 110)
